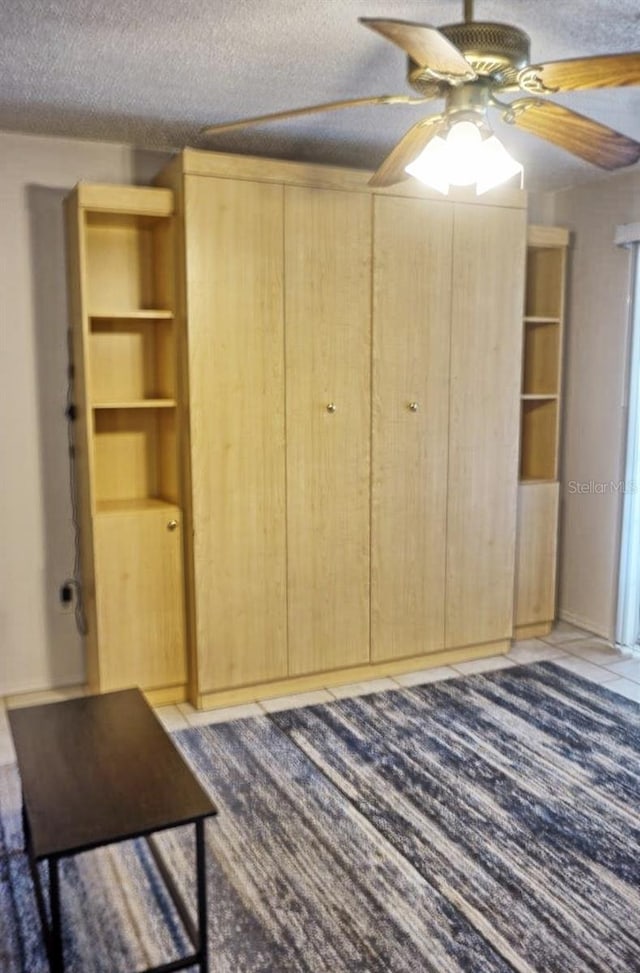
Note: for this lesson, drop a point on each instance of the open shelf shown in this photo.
(137, 404)
(545, 282)
(134, 455)
(541, 357)
(137, 505)
(538, 440)
(542, 354)
(156, 313)
(132, 361)
(127, 263)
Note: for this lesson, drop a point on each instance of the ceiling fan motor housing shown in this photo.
(496, 51)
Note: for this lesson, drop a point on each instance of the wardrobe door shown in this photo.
(486, 352)
(234, 248)
(328, 325)
(411, 334)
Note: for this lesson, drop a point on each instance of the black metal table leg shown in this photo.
(56, 960)
(203, 945)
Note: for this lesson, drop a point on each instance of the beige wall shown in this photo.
(594, 419)
(39, 645)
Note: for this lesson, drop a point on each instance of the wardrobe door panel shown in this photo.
(486, 351)
(411, 335)
(236, 380)
(328, 331)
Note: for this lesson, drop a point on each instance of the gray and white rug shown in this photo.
(485, 824)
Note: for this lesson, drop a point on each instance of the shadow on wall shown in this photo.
(49, 292)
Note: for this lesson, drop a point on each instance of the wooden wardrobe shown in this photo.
(348, 422)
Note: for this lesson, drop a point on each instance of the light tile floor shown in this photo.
(570, 647)
(363, 688)
(422, 676)
(487, 664)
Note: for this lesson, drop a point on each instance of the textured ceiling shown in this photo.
(152, 73)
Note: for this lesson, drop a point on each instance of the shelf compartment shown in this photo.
(129, 314)
(538, 444)
(541, 360)
(127, 263)
(131, 360)
(137, 404)
(545, 282)
(135, 455)
(137, 505)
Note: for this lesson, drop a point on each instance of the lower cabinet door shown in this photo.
(536, 561)
(140, 598)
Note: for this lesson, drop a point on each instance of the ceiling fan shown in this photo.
(470, 65)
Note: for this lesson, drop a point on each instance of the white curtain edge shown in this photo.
(628, 601)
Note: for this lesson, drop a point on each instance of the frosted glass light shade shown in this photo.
(462, 159)
(495, 165)
(431, 166)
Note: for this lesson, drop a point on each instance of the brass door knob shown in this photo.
(172, 525)
(331, 407)
(413, 406)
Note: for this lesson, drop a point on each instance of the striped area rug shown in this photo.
(484, 824)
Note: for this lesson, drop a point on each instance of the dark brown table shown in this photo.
(102, 769)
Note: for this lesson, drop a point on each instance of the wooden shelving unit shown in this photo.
(540, 410)
(126, 385)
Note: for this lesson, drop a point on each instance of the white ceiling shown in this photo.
(152, 73)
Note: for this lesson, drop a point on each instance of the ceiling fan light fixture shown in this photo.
(431, 167)
(469, 154)
(496, 166)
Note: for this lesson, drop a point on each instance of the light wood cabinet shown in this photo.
(350, 381)
(538, 493)
(298, 408)
(328, 352)
(126, 437)
(413, 259)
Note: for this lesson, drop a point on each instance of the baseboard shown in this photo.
(584, 623)
(536, 631)
(35, 697)
(337, 677)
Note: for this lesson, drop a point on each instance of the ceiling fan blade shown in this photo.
(408, 148)
(576, 133)
(312, 110)
(427, 47)
(580, 74)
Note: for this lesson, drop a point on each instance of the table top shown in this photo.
(99, 769)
